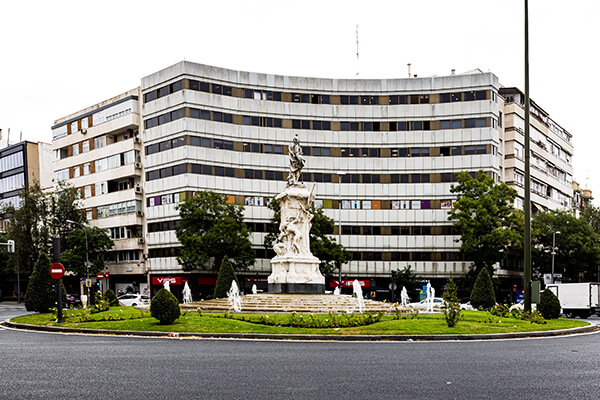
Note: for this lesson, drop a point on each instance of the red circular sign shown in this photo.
(57, 270)
(106, 274)
(100, 276)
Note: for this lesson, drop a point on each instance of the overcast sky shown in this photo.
(58, 57)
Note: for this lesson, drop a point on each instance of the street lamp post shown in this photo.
(553, 251)
(87, 259)
(340, 174)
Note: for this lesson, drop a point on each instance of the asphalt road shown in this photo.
(55, 366)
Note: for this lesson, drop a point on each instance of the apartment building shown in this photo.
(383, 155)
(99, 151)
(21, 165)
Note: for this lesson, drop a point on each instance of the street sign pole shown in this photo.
(57, 271)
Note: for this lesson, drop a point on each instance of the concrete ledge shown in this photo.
(257, 336)
(297, 288)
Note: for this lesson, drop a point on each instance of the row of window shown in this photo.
(122, 256)
(385, 256)
(377, 126)
(11, 161)
(318, 151)
(191, 141)
(269, 175)
(124, 207)
(311, 98)
(12, 182)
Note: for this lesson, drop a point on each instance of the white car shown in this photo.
(467, 306)
(133, 300)
(438, 302)
(521, 305)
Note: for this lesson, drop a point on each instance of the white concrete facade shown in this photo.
(98, 150)
(430, 255)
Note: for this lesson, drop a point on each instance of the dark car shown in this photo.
(73, 300)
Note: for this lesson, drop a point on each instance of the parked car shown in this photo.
(521, 305)
(73, 300)
(133, 300)
(467, 306)
(438, 302)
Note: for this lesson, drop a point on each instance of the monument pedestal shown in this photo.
(296, 274)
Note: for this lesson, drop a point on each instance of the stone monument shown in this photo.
(295, 269)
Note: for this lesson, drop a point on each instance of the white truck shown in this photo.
(577, 299)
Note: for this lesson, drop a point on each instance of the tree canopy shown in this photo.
(38, 218)
(489, 225)
(74, 257)
(210, 229)
(577, 246)
(322, 244)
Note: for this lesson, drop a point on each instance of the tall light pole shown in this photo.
(527, 199)
(340, 174)
(553, 251)
(87, 259)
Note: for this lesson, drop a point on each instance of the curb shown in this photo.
(354, 338)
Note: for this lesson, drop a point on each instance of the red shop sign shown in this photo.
(349, 282)
(173, 280)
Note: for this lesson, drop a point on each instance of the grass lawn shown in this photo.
(130, 319)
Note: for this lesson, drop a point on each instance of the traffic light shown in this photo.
(11, 246)
(394, 275)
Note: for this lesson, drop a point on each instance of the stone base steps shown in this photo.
(287, 303)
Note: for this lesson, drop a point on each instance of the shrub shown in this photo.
(100, 303)
(165, 307)
(549, 305)
(41, 295)
(482, 294)
(452, 309)
(501, 310)
(111, 298)
(226, 276)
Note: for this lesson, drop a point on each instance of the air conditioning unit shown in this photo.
(137, 139)
(138, 188)
(138, 164)
(141, 240)
(139, 213)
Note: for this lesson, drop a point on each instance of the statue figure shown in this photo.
(187, 294)
(404, 296)
(430, 296)
(296, 162)
(167, 285)
(254, 289)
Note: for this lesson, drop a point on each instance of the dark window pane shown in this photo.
(194, 140)
(206, 142)
(204, 114)
(216, 89)
(163, 91)
(217, 116)
(404, 178)
(196, 169)
(248, 174)
(344, 100)
(445, 124)
(414, 99)
(416, 178)
(355, 178)
(227, 90)
(354, 126)
(445, 98)
(353, 99)
(366, 178)
(394, 99)
(457, 151)
(269, 175)
(324, 99)
(207, 170)
(417, 126)
(480, 95)
(194, 85)
(375, 178)
(367, 126)
(205, 87)
(228, 118)
(364, 100)
(470, 123)
(456, 97)
(469, 150)
(395, 178)
(402, 152)
(469, 96)
(424, 178)
(402, 126)
(356, 230)
(480, 149)
(481, 122)
(456, 123)
(305, 124)
(258, 174)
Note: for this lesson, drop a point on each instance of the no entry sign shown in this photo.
(100, 276)
(57, 270)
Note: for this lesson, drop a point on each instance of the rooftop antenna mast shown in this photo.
(357, 64)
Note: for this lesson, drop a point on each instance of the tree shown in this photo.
(210, 229)
(98, 243)
(452, 309)
(483, 291)
(41, 295)
(577, 246)
(39, 217)
(489, 226)
(226, 276)
(406, 278)
(592, 215)
(549, 305)
(165, 307)
(322, 244)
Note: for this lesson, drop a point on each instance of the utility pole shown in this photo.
(527, 201)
